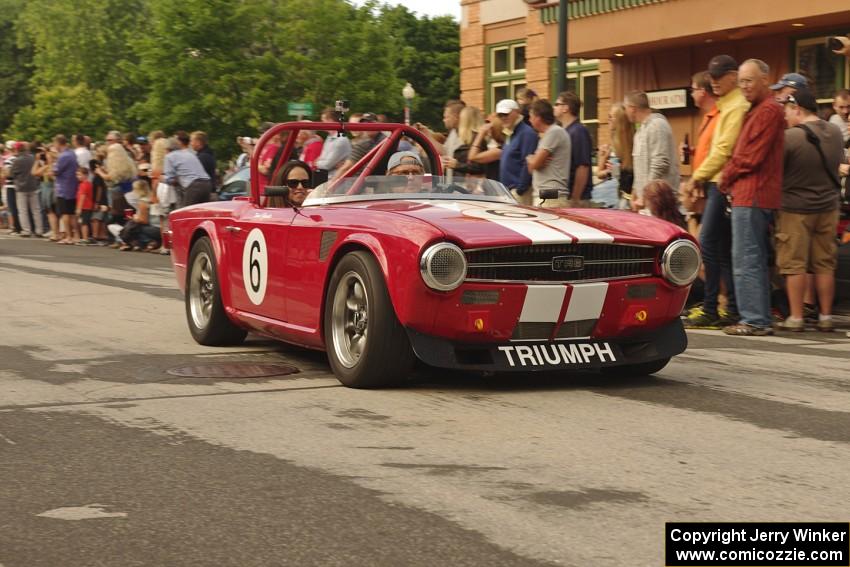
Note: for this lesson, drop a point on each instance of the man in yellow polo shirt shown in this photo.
(716, 232)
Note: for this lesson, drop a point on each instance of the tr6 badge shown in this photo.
(567, 263)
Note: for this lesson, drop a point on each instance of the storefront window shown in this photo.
(823, 69)
(583, 79)
(505, 72)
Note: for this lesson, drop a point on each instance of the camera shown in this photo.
(342, 106)
(840, 45)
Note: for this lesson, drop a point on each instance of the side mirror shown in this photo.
(276, 191)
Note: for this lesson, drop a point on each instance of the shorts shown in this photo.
(66, 206)
(98, 216)
(805, 242)
(85, 217)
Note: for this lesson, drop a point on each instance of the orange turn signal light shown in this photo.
(641, 316)
(479, 324)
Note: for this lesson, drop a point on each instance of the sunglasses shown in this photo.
(294, 183)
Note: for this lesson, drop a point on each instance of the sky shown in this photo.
(427, 7)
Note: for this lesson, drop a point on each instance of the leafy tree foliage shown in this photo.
(84, 42)
(216, 65)
(15, 65)
(428, 57)
(63, 110)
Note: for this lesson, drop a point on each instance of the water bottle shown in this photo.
(615, 166)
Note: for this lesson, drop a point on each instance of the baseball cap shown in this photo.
(368, 117)
(795, 80)
(141, 139)
(10, 144)
(720, 65)
(21, 146)
(505, 105)
(804, 99)
(396, 159)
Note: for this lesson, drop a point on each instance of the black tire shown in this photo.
(371, 352)
(205, 314)
(636, 370)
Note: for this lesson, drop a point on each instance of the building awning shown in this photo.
(603, 28)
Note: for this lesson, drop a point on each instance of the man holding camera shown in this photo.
(336, 149)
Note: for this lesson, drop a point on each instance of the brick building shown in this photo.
(653, 45)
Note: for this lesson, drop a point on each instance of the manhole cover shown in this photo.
(242, 370)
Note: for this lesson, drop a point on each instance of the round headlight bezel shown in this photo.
(425, 266)
(667, 255)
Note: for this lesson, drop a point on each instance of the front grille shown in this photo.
(534, 263)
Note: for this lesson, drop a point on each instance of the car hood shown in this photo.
(478, 224)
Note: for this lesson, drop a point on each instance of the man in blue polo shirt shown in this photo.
(522, 142)
(185, 172)
(65, 175)
(567, 107)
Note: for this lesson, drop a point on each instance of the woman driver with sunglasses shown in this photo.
(297, 176)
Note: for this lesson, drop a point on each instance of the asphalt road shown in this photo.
(105, 459)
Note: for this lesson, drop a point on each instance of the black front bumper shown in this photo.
(535, 356)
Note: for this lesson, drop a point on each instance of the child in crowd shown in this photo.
(85, 205)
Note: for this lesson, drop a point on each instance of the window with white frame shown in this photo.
(505, 72)
(583, 79)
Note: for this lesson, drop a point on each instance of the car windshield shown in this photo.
(382, 187)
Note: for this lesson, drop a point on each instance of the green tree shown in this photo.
(15, 65)
(86, 42)
(427, 54)
(63, 110)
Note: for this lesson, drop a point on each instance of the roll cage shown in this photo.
(362, 169)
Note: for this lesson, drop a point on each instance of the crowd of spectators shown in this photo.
(118, 192)
(762, 198)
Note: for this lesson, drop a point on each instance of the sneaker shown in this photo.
(825, 325)
(727, 318)
(744, 330)
(37, 235)
(789, 324)
(25, 234)
(165, 251)
(701, 320)
(810, 313)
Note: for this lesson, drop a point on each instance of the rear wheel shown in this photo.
(208, 322)
(367, 346)
(642, 369)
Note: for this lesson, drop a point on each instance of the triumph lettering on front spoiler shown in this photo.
(553, 355)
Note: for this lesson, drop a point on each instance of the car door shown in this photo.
(257, 242)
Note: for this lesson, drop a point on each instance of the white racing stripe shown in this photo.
(586, 301)
(581, 232)
(531, 228)
(542, 304)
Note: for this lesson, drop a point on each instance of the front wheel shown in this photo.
(367, 346)
(636, 370)
(208, 322)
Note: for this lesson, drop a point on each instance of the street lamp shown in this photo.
(408, 93)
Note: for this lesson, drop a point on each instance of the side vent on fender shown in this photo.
(328, 239)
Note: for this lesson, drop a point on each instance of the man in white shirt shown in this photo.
(335, 150)
(81, 151)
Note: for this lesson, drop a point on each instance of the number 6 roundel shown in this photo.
(255, 266)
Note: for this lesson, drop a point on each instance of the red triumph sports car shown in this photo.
(379, 271)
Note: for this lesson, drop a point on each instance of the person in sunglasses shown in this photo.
(295, 175)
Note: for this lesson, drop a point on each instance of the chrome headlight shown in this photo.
(443, 266)
(680, 262)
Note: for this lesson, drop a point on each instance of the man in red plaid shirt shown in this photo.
(752, 178)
